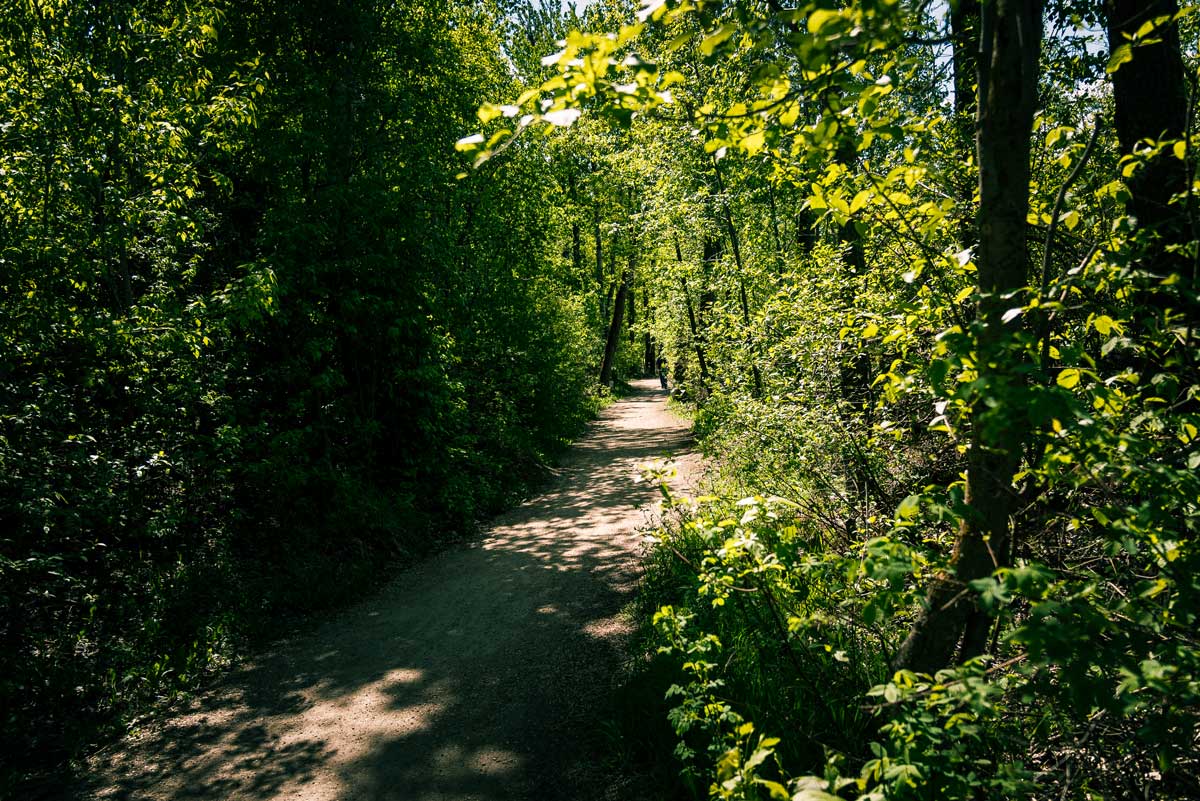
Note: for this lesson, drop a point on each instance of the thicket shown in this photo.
(929, 273)
(256, 339)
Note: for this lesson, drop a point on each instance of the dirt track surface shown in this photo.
(482, 674)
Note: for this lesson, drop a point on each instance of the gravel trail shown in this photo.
(481, 674)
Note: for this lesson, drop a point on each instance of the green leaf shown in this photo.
(1068, 378)
(757, 758)
(937, 371)
(775, 789)
(820, 18)
(486, 113)
(1121, 55)
(1103, 324)
(753, 143)
(716, 38)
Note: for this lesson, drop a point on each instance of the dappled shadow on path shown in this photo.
(481, 674)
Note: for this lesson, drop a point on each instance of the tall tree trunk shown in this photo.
(714, 248)
(775, 227)
(854, 375)
(1008, 95)
(854, 363)
(606, 299)
(697, 344)
(964, 25)
(576, 235)
(854, 369)
(599, 260)
(1150, 97)
(735, 243)
(806, 231)
(647, 340)
(632, 315)
(614, 329)
(965, 22)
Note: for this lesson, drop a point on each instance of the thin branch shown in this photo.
(1048, 246)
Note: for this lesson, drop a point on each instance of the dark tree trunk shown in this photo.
(854, 369)
(632, 316)
(647, 340)
(1151, 100)
(854, 374)
(599, 261)
(775, 227)
(576, 235)
(1008, 96)
(965, 22)
(713, 250)
(614, 329)
(607, 299)
(697, 344)
(735, 243)
(806, 231)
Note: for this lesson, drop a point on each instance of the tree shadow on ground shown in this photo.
(485, 673)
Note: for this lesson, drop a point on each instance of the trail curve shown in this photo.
(481, 674)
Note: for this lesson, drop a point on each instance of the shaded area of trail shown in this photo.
(481, 674)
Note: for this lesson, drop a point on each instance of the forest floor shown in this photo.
(484, 673)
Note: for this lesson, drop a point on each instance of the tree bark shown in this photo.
(1150, 96)
(854, 376)
(951, 620)
(965, 23)
(647, 341)
(775, 227)
(697, 344)
(576, 235)
(737, 260)
(612, 343)
(599, 261)
(632, 315)
(806, 231)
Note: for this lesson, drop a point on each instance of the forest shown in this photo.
(294, 293)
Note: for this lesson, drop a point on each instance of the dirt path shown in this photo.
(481, 674)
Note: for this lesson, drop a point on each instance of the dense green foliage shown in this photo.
(256, 340)
(928, 273)
(931, 277)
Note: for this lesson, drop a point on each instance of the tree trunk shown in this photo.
(1150, 97)
(697, 344)
(614, 329)
(632, 315)
(576, 235)
(599, 262)
(965, 21)
(606, 301)
(647, 340)
(1008, 96)
(775, 228)
(737, 260)
(854, 377)
(964, 24)
(806, 231)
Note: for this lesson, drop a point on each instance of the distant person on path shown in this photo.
(662, 371)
